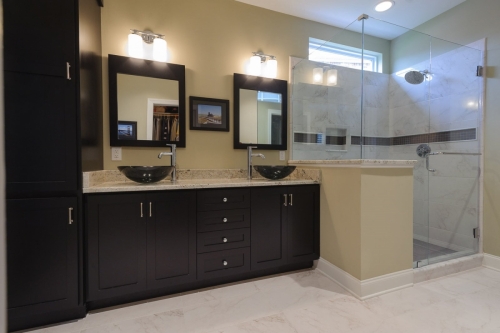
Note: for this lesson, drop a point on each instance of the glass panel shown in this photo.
(396, 117)
(455, 121)
(326, 104)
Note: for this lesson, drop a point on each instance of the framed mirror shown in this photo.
(260, 112)
(147, 103)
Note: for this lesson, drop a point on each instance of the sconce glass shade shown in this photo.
(135, 49)
(331, 77)
(271, 68)
(318, 75)
(160, 50)
(255, 67)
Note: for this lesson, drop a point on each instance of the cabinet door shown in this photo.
(42, 256)
(39, 35)
(40, 134)
(40, 100)
(268, 230)
(303, 223)
(171, 238)
(116, 226)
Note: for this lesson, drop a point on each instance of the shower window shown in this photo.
(343, 55)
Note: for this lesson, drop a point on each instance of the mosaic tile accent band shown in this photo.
(447, 136)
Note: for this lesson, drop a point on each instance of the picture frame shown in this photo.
(209, 114)
(127, 130)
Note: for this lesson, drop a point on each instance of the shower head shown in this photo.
(416, 77)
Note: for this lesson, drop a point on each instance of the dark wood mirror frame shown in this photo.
(146, 68)
(258, 83)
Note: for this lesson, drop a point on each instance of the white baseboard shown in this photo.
(366, 289)
(491, 261)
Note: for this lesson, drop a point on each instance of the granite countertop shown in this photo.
(113, 181)
(360, 163)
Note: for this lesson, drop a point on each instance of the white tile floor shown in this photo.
(306, 302)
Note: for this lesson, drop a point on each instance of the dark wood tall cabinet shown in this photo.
(45, 84)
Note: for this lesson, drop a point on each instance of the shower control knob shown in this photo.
(423, 150)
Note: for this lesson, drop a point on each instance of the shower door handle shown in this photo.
(446, 153)
(427, 164)
(454, 153)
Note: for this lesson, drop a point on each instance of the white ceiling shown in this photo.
(341, 13)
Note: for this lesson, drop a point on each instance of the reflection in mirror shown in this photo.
(152, 104)
(260, 117)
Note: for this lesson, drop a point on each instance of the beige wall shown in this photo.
(386, 221)
(213, 39)
(340, 217)
(367, 220)
(464, 24)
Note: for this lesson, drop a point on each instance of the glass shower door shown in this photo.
(455, 93)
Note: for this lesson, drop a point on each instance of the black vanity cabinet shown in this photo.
(285, 225)
(42, 250)
(139, 241)
(149, 244)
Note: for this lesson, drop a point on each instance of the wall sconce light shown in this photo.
(136, 49)
(261, 66)
(331, 77)
(318, 75)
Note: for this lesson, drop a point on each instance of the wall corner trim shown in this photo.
(365, 289)
(491, 261)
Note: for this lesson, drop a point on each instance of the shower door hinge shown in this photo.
(477, 232)
(479, 71)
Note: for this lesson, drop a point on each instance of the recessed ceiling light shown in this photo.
(384, 5)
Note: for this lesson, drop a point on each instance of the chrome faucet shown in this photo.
(172, 153)
(249, 160)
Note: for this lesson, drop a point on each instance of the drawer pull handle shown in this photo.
(224, 200)
(142, 212)
(224, 262)
(224, 240)
(224, 220)
(286, 200)
(70, 211)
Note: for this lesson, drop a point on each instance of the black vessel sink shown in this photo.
(274, 171)
(146, 174)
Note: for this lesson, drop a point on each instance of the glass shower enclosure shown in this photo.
(407, 97)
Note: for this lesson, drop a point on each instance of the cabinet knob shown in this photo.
(224, 240)
(224, 220)
(224, 200)
(224, 262)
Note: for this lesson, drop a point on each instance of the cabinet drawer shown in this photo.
(223, 199)
(223, 220)
(223, 240)
(223, 263)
